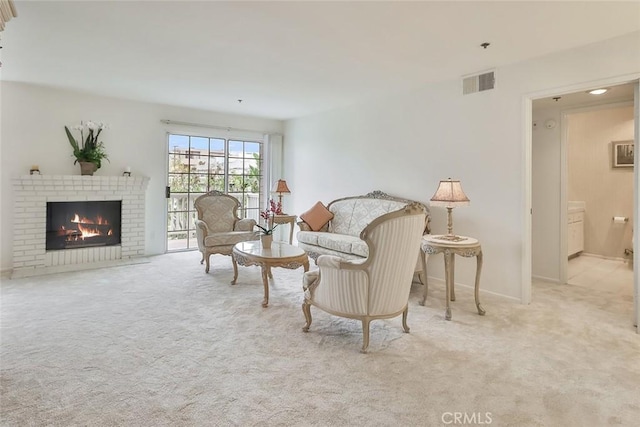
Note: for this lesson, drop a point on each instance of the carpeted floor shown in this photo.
(164, 344)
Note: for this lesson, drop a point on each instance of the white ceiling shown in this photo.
(286, 59)
(619, 93)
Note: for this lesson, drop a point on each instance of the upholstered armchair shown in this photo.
(218, 227)
(376, 287)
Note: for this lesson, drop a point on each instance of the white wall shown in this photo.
(33, 120)
(406, 143)
(545, 196)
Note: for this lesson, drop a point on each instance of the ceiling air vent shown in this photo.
(478, 83)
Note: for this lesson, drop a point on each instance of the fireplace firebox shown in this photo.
(72, 225)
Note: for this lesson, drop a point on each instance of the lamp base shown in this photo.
(449, 238)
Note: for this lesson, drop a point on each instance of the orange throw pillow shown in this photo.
(317, 216)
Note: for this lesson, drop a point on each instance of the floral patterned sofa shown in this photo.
(341, 235)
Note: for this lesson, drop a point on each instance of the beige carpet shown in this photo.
(164, 344)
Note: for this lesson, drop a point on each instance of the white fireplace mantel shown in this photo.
(32, 192)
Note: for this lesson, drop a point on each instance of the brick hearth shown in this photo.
(32, 192)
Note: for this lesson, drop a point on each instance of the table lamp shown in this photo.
(281, 188)
(449, 195)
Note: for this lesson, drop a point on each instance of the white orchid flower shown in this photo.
(78, 127)
(91, 125)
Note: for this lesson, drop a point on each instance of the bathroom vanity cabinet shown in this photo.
(575, 231)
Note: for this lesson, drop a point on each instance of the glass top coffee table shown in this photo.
(279, 255)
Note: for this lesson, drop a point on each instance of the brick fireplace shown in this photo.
(35, 195)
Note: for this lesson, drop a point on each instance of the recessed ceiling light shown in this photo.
(597, 91)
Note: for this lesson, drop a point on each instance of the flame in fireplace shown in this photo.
(84, 220)
(87, 228)
(88, 231)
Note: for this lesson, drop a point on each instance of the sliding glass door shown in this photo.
(198, 165)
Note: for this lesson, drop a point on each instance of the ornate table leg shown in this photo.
(448, 274)
(291, 225)
(477, 290)
(305, 265)
(265, 282)
(423, 277)
(235, 269)
(453, 282)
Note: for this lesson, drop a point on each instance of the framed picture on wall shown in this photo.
(622, 154)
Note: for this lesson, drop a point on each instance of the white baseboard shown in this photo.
(546, 279)
(18, 274)
(472, 288)
(621, 259)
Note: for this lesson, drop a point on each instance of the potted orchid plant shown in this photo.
(266, 231)
(89, 151)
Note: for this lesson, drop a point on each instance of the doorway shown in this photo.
(551, 194)
(600, 195)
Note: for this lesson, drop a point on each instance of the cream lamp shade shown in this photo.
(281, 188)
(450, 195)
